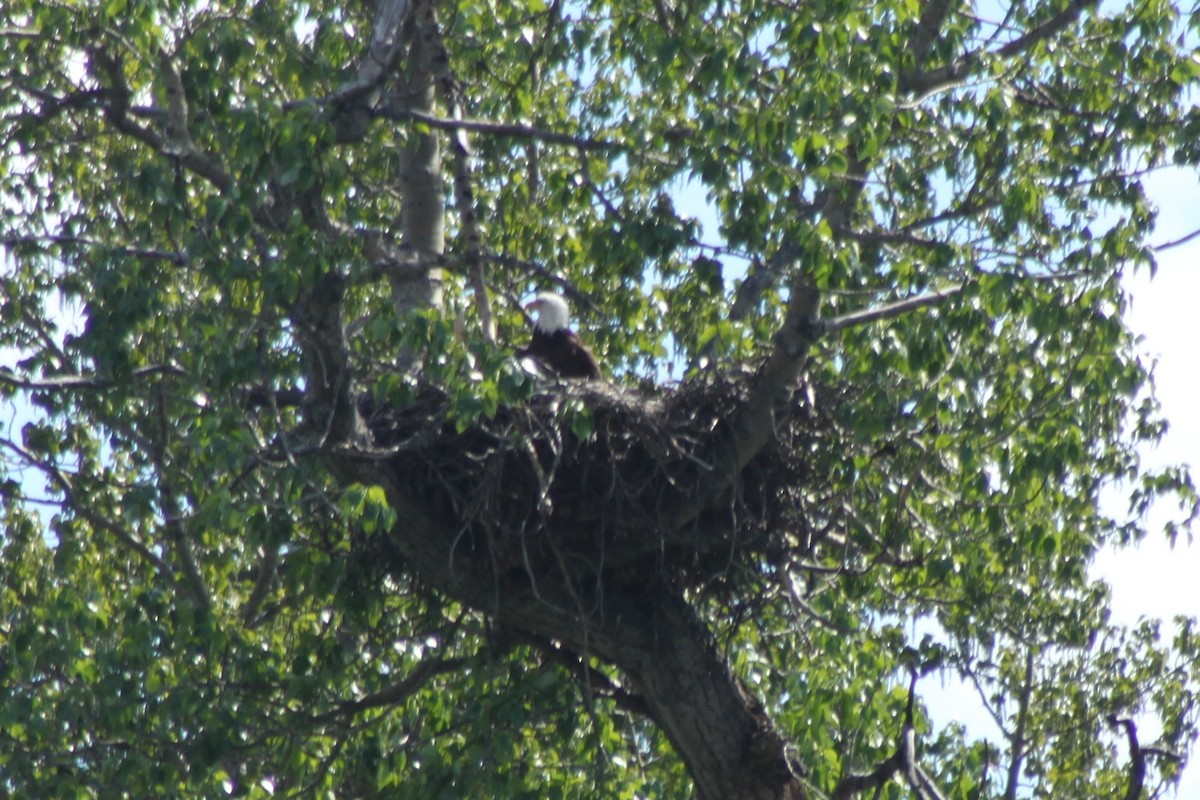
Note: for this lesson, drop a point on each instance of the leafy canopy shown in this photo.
(182, 614)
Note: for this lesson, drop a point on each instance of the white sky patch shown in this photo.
(1154, 579)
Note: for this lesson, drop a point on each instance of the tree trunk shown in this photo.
(422, 217)
(716, 725)
(651, 633)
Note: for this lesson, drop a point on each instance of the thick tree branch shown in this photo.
(267, 568)
(929, 27)
(117, 113)
(422, 214)
(648, 631)
(837, 203)
(1137, 757)
(178, 145)
(754, 424)
(736, 443)
(1050, 28)
(179, 139)
(265, 396)
(330, 412)
(593, 679)
(172, 512)
(855, 784)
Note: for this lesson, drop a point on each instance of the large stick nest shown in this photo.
(579, 480)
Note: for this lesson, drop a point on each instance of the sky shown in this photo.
(1155, 579)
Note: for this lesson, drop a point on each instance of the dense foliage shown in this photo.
(192, 605)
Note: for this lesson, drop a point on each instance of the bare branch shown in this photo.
(899, 763)
(853, 784)
(578, 299)
(173, 517)
(902, 762)
(921, 83)
(421, 674)
(925, 787)
(179, 259)
(504, 130)
(65, 382)
(899, 308)
(63, 482)
(890, 237)
(1047, 29)
(1158, 248)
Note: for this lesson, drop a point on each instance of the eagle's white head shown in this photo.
(551, 312)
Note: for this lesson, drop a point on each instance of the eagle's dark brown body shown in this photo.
(563, 353)
(554, 346)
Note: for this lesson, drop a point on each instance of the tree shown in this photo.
(283, 516)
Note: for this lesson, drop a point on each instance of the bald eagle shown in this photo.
(554, 346)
